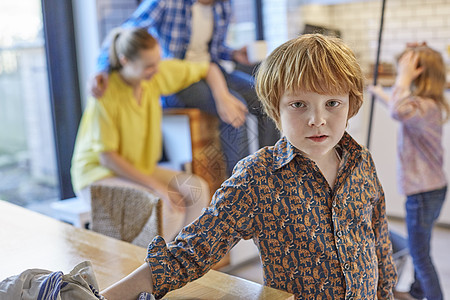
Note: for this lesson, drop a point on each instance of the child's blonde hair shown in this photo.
(128, 42)
(311, 63)
(431, 82)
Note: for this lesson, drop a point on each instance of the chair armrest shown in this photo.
(127, 212)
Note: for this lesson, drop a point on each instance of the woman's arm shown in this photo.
(122, 168)
(229, 108)
(140, 280)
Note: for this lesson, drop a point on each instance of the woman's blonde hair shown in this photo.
(431, 83)
(128, 42)
(311, 63)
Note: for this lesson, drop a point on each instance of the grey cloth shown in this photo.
(39, 284)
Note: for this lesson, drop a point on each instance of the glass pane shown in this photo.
(27, 152)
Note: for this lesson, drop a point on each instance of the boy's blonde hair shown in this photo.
(431, 82)
(311, 63)
(128, 42)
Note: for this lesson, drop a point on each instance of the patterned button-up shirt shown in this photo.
(169, 21)
(314, 241)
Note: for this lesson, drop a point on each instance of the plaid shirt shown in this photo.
(169, 21)
(314, 241)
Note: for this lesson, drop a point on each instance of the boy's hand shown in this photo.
(231, 110)
(98, 84)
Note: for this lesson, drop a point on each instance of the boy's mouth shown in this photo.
(318, 138)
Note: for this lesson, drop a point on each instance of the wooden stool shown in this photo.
(208, 160)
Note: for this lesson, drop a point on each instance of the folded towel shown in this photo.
(39, 284)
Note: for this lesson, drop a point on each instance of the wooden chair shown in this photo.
(207, 157)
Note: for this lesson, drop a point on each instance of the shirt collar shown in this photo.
(284, 151)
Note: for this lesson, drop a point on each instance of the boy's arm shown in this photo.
(204, 242)
(140, 280)
(194, 251)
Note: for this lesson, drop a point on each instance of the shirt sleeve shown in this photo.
(202, 243)
(387, 275)
(409, 109)
(100, 127)
(222, 20)
(147, 15)
(175, 75)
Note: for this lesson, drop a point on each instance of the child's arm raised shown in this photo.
(379, 93)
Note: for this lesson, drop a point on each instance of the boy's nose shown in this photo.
(316, 118)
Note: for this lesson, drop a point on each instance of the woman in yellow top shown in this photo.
(119, 138)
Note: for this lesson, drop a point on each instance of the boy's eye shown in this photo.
(333, 103)
(297, 104)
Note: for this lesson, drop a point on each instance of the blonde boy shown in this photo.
(312, 203)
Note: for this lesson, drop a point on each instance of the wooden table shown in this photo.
(31, 240)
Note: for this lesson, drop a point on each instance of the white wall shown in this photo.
(359, 21)
(87, 41)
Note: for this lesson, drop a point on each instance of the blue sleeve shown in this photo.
(148, 14)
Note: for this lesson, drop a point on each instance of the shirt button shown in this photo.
(351, 298)
(339, 233)
(346, 266)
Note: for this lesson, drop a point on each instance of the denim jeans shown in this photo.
(234, 140)
(422, 210)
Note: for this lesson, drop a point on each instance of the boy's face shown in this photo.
(314, 123)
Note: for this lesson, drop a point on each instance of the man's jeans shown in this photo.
(422, 210)
(234, 140)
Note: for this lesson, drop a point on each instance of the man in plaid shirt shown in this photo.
(196, 30)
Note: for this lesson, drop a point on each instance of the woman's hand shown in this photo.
(170, 197)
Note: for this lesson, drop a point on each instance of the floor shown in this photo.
(440, 245)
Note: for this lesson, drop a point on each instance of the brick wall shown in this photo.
(405, 21)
